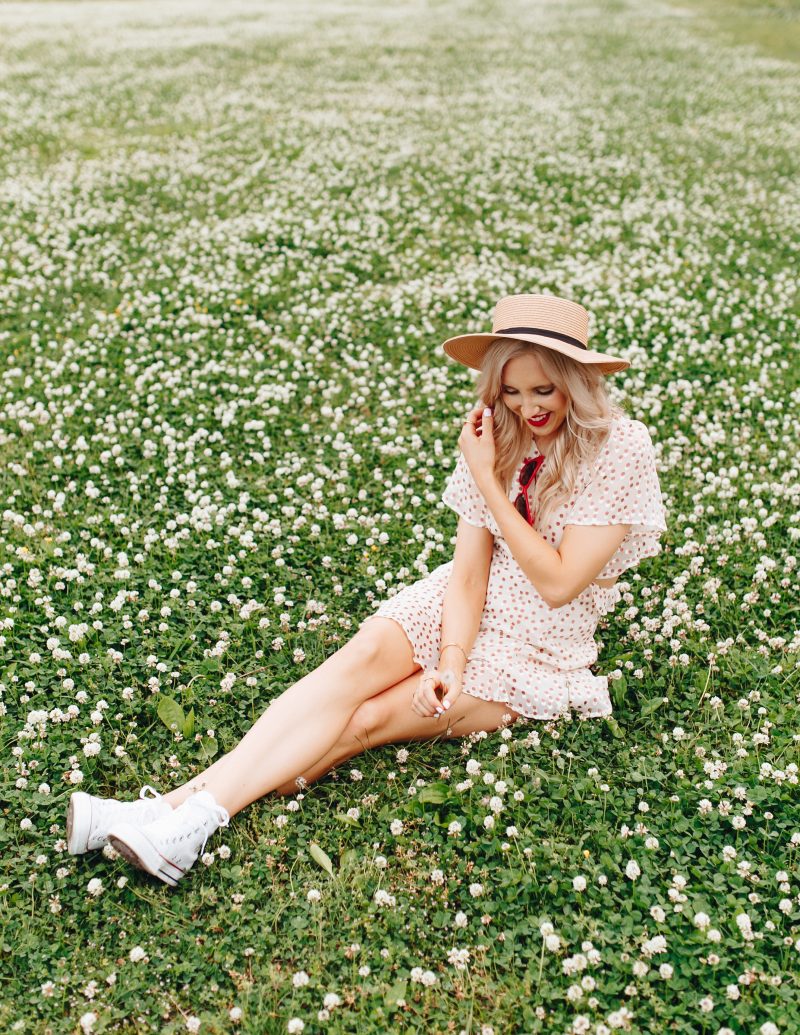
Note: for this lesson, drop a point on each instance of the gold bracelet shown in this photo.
(443, 649)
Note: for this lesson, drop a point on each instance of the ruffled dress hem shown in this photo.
(524, 684)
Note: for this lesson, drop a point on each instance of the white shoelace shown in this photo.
(147, 787)
(217, 812)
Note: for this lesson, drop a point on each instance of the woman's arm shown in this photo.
(465, 594)
(461, 618)
(560, 574)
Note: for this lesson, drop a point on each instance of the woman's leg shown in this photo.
(300, 727)
(387, 718)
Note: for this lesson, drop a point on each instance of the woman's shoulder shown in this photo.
(626, 443)
(626, 430)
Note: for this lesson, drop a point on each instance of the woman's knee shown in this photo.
(365, 725)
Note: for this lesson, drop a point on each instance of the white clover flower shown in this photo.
(666, 970)
(579, 883)
(632, 870)
(396, 827)
(655, 945)
(459, 958)
(137, 954)
(476, 890)
(331, 1000)
(95, 887)
(295, 1025)
(619, 1018)
(193, 1024)
(300, 978)
(313, 895)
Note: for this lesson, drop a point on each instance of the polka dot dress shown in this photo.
(531, 656)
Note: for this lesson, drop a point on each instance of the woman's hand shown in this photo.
(436, 692)
(476, 442)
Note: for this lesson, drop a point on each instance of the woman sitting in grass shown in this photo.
(557, 494)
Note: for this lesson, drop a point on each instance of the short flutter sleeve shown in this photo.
(623, 489)
(463, 496)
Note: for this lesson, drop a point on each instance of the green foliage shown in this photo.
(231, 247)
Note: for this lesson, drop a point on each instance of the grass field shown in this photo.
(233, 237)
(771, 28)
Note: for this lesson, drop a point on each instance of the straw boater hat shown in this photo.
(556, 323)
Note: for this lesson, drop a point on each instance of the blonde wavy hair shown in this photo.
(590, 412)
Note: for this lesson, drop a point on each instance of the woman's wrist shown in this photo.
(454, 657)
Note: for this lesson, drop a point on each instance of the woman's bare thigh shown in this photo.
(379, 652)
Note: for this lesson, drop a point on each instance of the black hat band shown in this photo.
(568, 339)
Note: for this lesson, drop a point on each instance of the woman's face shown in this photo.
(526, 392)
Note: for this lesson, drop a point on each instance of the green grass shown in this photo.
(772, 28)
(231, 244)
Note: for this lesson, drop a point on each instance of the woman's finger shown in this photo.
(425, 694)
(432, 692)
(451, 688)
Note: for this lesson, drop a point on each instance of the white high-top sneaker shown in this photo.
(88, 817)
(169, 846)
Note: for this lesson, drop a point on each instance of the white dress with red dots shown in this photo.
(526, 654)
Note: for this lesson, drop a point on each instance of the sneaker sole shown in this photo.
(79, 822)
(137, 849)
